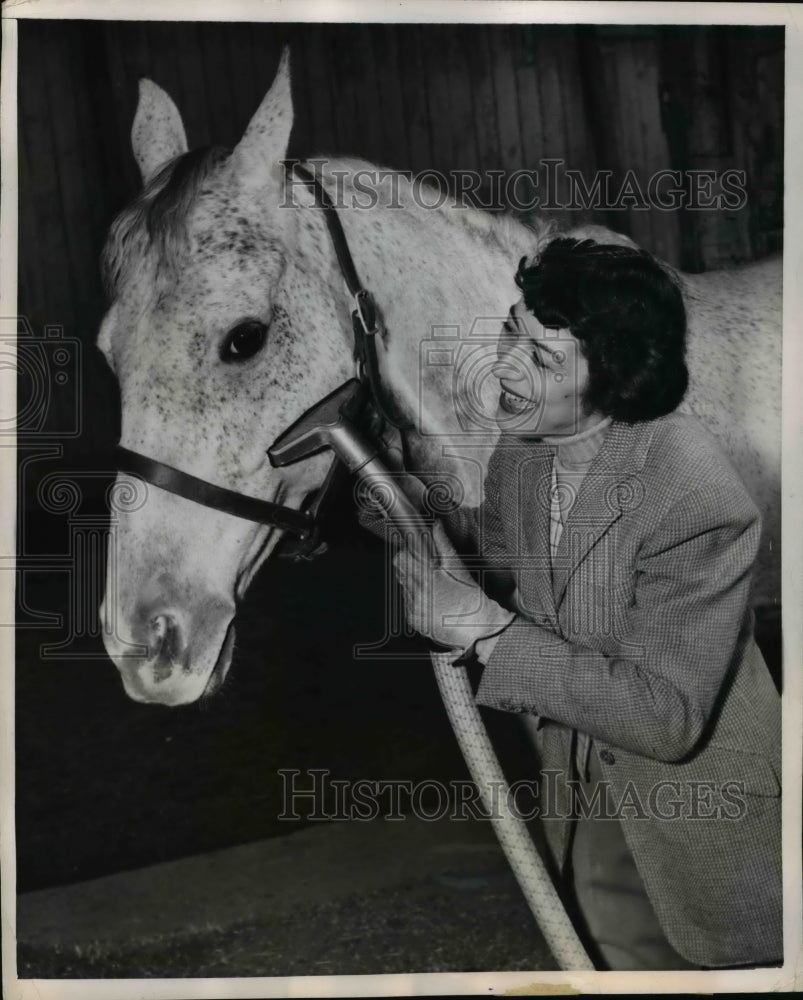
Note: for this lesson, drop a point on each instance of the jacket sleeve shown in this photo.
(691, 584)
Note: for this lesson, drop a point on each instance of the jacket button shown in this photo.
(507, 705)
(607, 757)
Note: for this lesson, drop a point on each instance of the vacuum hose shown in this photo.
(329, 424)
(513, 835)
(478, 753)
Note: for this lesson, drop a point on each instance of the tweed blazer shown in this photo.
(640, 635)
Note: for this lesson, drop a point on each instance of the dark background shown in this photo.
(105, 784)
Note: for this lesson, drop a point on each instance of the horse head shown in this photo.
(229, 318)
(219, 336)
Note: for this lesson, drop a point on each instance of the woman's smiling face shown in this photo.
(542, 374)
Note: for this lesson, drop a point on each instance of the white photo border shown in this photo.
(786, 978)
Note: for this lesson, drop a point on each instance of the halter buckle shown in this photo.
(364, 317)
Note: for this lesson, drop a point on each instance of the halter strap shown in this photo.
(335, 227)
(366, 321)
(191, 488)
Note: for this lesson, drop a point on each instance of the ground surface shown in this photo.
(333, 899)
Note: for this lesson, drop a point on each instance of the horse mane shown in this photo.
(155, 221)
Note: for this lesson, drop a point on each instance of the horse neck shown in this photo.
(458, 261)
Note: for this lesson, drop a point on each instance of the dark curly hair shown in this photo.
(628, 315)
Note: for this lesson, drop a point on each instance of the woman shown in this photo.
(615, 613)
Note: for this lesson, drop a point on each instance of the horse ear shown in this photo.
(157, 134)
(264, 145)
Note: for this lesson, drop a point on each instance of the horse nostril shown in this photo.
(159, 626)
(164, 637)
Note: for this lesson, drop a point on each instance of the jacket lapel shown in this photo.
(534, 499)
(611, 487)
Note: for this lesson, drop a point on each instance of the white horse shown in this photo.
(229, 318)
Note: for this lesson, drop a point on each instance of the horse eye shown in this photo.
(244, 341)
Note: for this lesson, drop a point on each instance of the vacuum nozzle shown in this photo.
(328, 424)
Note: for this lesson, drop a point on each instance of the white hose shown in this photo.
(385, 490)
(514, 837)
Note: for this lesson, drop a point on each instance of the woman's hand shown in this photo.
(370, 514)
(442, 601)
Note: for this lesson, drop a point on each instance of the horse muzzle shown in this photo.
(168, 656)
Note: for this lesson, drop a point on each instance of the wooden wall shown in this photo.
(409, 96)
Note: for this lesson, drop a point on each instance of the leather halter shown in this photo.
(173, 480)
(303, 524)
(366, 320)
